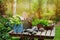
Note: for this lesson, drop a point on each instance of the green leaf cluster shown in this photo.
(43, 22)
(15, 20)
(35, 22)
(5, 27)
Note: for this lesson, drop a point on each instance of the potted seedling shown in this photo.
(39, 25)
(17, 23)
(48, 25)
(36, 22)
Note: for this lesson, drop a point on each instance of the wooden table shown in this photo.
(47, 34)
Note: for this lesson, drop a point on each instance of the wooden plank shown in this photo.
(53, 32)
(11, 31)
(38, 33)
(48, 33)
(25, 33)
(43, 33)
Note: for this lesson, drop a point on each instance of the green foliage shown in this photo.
(35, 22)
(5, 27)
(15, 20)
(43, 22)
(4, 22)
(34, 5)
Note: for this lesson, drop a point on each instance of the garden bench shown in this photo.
(47, 34)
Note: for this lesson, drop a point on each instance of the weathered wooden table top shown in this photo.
(45, 34)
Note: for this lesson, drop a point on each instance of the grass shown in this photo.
(57, 34)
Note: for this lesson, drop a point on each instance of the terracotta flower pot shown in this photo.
(49, 27)
(39, 26)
